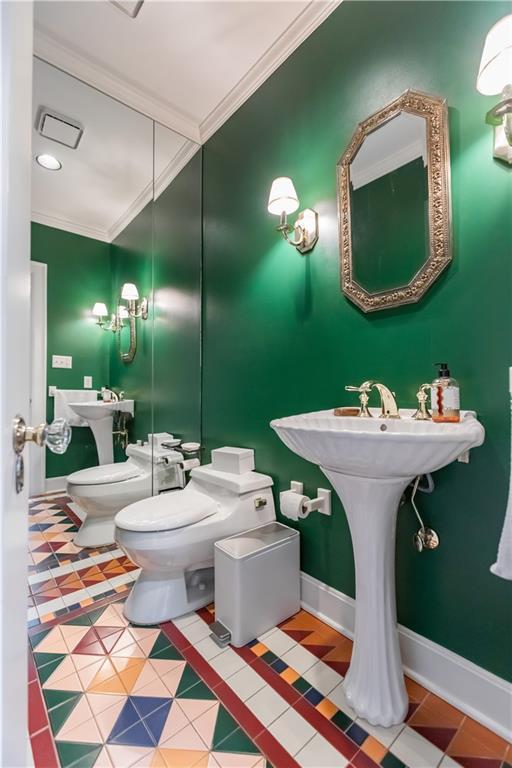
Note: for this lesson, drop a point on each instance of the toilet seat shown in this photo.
(167, 511)
(105, 473)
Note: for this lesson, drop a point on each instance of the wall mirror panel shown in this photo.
(394, 203)
(116, 254)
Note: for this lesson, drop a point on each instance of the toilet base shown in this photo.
(158, 597)
(95, 532)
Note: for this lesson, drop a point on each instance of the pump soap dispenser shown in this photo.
(445, 397)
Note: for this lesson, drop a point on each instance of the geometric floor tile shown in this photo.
(118, 696)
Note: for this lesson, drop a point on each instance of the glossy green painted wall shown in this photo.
(132, 262)
(177, 304)
(280, 338)
(78, 275)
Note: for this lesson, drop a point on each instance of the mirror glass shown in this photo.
(394, 203)
(389, 204)
(115, 270)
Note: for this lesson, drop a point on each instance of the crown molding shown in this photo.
(70, 226)
(178, 162)
(53, 51)
(304, 25)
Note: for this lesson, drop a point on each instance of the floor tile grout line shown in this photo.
(170, 629)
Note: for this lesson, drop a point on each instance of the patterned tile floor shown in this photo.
(62, 576)
(104, 693)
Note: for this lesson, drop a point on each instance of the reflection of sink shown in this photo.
(99, 415)
(370, 462)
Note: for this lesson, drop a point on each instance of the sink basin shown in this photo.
(370, 463)
(99, 416)
(379, 448)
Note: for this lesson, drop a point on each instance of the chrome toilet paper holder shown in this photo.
(321, 504)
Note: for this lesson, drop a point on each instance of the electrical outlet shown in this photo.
(62, 361)
(51, 391)
(87, 382)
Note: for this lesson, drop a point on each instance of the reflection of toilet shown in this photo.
(102, 491)
(171, 537)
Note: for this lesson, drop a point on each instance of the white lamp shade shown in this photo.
(99, 309)
(283, 196)
(122, 312)
(129, 292)
(496, 64)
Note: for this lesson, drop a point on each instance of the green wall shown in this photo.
(280, 338)
(78, 275)
(132, 262)
(177, 304)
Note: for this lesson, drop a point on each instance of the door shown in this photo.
(35, 461)
(15, 119)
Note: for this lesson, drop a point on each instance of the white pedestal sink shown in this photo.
(370, 462)
(100, 416)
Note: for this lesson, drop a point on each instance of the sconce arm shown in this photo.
(285, 232)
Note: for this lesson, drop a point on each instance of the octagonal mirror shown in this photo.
(394, 203)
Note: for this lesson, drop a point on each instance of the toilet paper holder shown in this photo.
(321, 504)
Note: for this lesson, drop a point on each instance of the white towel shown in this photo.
(65, 396)
(503, 565)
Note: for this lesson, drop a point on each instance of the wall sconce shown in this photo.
(134, 309)
(100, 311)
(282, 201)
(495, 77)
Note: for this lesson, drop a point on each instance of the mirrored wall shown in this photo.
(116, 257)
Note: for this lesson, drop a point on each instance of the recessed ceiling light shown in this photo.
(49, 162)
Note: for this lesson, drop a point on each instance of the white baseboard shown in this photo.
(472, 689)
(55, 484)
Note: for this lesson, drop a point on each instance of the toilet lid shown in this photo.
(105, 473)
(167, 511)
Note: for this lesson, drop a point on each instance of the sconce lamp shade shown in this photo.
(129, 292)
(122, 312)
(99, 309)
(496, 64)
(283, 197)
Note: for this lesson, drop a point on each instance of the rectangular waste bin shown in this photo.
(257, 580)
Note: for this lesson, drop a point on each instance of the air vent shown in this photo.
(58, 128)
(130, 7)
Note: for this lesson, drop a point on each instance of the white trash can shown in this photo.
(257, 582)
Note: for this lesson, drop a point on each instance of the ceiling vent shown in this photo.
(58, 128)
(130, 7)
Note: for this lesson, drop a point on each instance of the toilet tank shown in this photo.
(247, 496)
(162, 461)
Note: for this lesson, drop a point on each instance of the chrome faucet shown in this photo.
(389, 408)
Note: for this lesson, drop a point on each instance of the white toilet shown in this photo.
(172, 536)
(102, 491)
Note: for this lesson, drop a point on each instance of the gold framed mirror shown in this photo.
(394, 209)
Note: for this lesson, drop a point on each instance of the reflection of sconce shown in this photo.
(133, 310)
(135, 307)
(100, 311)
(494, 77)
(282, 201)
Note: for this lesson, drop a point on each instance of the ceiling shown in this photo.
(107, 180)
(187, 64)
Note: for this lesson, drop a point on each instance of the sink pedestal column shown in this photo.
(102, 431)
(374, 685)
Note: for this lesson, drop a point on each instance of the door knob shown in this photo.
(55, 436)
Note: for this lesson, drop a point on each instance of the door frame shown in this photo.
(16, 21)
(36, 460)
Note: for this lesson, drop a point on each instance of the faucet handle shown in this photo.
(364, 387)
(422, 414)
(363, 390)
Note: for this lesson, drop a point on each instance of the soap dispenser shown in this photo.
(445, 397)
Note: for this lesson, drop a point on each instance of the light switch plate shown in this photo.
(51, 391)
(62, 361)
(87, 382)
